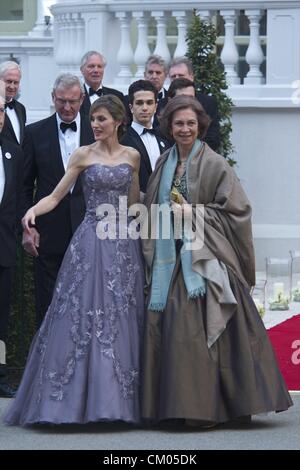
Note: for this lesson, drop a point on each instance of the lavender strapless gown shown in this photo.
(83, 364)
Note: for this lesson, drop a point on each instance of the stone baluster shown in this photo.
(125, 53)
(40, 25)
(79, 42)
(205, 15)
(254, 54)
(69, 44)
(142, 51)
(60, 52)
(72, 53)
(229, 54)
(57, 23)
(182, 23)
(161, 47)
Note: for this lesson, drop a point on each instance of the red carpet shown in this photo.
(285, 339)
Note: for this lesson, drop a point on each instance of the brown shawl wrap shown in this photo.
(227, 232)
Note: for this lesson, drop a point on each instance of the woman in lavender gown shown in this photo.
(83, 364)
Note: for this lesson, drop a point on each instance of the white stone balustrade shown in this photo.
(119, 29)
(161, 47)
(142, 51)
(254, 54)
(229, 54)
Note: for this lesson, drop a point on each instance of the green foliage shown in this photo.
(210, 77)
(22, 317)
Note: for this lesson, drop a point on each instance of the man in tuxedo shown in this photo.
(48, 145)
(156, 72)
(11, 161)
(92, 68)
(142, 96)
(14, 124)
(182, 67)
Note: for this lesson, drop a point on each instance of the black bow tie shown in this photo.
(146, 130)
(93, 92)
(10, 105)
(160, 95)
(68, 125)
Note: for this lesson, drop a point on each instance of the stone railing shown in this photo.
(124, 32)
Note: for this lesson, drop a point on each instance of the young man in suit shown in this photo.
(48, 146)
(92, 68)
(14, 125)
(182, 67)
(142, 96)
(11, 170)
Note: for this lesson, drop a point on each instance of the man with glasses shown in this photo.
(11, 161)
(48, 146)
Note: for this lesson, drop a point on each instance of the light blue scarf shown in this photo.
(165, 251)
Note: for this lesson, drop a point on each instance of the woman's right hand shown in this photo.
(29, 219)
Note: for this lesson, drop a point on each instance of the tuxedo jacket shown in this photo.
(86, 105)
(209, 103)
(160, 106)
(8, 130)
(43, 169)
(132, 139)
(13, 159)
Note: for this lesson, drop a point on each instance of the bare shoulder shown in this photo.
(133, 157)
(80, 157)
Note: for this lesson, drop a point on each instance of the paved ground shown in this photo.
(274, 431)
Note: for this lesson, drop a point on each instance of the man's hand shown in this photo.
(31, 241)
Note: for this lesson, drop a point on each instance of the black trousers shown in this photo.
(5, 298)
(46, 270)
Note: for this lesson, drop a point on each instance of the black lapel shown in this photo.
(54, 147)
(85, 107)
(21, 121)
(86, 132)
(9, 129)
(161, 143)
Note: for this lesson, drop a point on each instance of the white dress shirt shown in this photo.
(2, 176)
(68, 141)
(150, 142)
(11, 113)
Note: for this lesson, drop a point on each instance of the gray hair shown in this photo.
(67, 80)
(157, 60)
(88, 55)
(2, 90)
(9, 65)
(182, 60)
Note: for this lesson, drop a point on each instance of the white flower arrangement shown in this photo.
(281, 302)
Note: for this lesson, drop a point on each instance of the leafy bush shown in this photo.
(210, 77)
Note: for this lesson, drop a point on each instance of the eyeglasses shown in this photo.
(63, 102)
